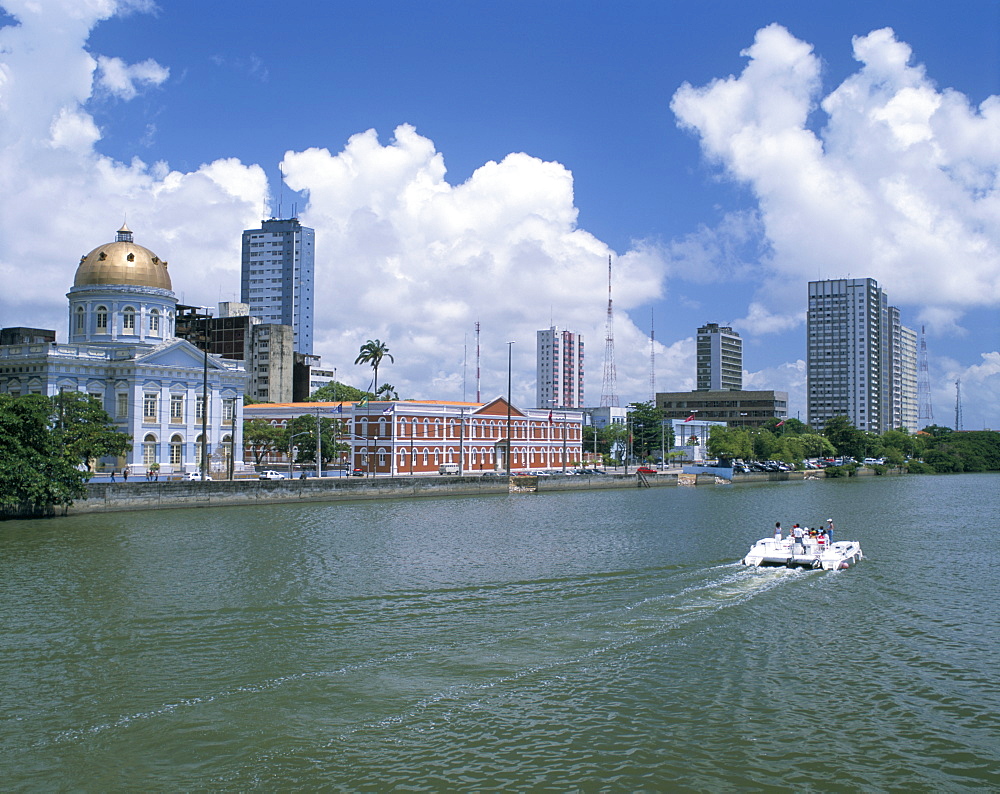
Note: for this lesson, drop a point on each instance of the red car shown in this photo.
(646, 470)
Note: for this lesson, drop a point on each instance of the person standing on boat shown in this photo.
(777, 530)
(797, 540)
(829, 531)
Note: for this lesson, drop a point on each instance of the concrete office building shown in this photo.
(559, 375)
(735, 408)
(720, 359)
(277, 280)
(860, 360)
(275, 372)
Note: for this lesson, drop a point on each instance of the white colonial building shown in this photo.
(122, 350)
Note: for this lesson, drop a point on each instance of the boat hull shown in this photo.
(770, 552)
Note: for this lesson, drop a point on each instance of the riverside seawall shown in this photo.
(105, 497)
(113, 497)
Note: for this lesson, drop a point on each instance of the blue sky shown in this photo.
(515, 146)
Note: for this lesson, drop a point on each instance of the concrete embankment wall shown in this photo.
(111, 497)
(105, 497)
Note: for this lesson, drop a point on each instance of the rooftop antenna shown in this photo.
(652, 359)
(958, 404)
(281, 188)
(609, 397)
(924, 408)
(478, 394)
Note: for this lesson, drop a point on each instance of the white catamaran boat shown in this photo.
(810, 553)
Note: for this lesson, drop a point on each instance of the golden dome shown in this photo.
(122, 262)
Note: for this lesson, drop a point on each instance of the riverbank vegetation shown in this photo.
(47, 447)
(933, 450)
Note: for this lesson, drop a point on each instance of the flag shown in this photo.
(550, 417)
(780, 423)
(389, 409)
(363, 403)
(690, 418)
(340, 409)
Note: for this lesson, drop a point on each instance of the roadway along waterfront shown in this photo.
(580, 640)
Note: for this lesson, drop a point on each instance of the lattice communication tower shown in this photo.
(925, 411)
(609, 387)
(958, 404)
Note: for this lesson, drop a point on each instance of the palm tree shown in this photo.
(387, 392)
(372, 352)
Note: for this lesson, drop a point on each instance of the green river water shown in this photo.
(583, 641)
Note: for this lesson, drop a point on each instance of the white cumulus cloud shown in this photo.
(59, 197)
(885, 176)
(408, 258)
(120, 78)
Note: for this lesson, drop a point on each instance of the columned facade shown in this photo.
(122, 350)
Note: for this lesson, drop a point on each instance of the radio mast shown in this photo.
(478, 393)
(609, 396)
(652, 360)
(925, 411)
(958, 404)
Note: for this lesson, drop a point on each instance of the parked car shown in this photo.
(357, 473)
(191, 476)
(646, 470)
(270, 474)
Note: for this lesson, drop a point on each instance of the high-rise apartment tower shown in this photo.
(860, 359)
(720, 359)
(560, 369)
(278, 265)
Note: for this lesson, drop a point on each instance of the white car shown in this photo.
(194, 476)
(271, 475)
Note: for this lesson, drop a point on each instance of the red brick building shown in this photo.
(403, 438)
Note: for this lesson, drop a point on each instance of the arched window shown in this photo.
(154, 322)
(101, 313)
(197, 450)
(149, 450)
(128, 320)
(80, 320)
(227, 448)
(176, 449)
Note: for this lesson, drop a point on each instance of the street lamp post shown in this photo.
(291, 451)
(510, 346)
(461, 445)
(564, 443)
(319, 446)
(204, 396)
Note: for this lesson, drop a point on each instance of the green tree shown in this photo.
(35, 469)
(730, 442)
(846, 437)
(898, 440)
(793, 427)
(304, 429)
(84, 429)
(338, 392)
(386, 392)
(262, 438)
(766, 445)
(816, 446)
(372, 352)
(648, 433)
